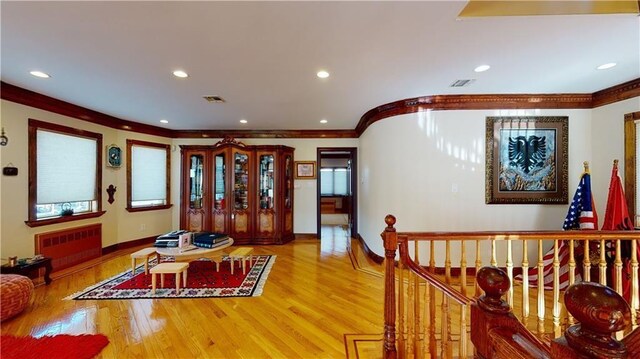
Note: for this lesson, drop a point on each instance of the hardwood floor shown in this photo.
(315, 295)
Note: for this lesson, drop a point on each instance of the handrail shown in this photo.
(429, 277)
(520, 235)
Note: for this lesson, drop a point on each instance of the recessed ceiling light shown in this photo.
(606, 66)
(180, 73)
(482, 68)
(322, 74)
(40, 74)
(164, 121)
(323, 121)
(243, 121)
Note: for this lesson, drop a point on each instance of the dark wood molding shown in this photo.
(33, 99)
(371, 254)
(603, 97)
(630, 170)
(130, 244)
(62, 219)
(616, 93)
(162, 146)
(151, 208)
(265, 133)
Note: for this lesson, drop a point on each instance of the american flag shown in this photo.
(581, 215)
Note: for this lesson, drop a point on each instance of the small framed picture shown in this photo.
(305, 170)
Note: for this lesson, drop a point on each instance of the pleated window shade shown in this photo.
(148, 175)
(66, 168)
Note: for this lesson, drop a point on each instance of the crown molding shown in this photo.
(603, 97)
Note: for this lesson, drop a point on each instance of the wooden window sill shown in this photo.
(62, 219)
(150, 208)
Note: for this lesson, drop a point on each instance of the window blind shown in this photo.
(326, 181)
(340, 181)
(148, 173)
(66, 168)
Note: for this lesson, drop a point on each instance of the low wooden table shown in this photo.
(242, 254)
(28, 268)
(145, 254)
(172, 268)
(180, 255)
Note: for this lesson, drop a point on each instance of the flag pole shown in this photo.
(586, 167)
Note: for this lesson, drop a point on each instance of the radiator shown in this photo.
(70, 246)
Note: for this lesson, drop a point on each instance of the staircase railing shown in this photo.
(426, 315)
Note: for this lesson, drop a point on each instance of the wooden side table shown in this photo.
(27, 268)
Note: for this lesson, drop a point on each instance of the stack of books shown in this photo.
(170, 239)
(210, 240)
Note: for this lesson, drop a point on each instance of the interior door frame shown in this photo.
(353, 156)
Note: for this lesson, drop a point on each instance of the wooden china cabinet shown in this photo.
(244, 191)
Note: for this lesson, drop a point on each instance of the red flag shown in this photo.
(616, 217)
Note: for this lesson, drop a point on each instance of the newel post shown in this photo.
(600, 312)
(390, 239)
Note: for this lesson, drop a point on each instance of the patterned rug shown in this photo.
(202, 282)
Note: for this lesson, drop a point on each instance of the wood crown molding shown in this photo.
(603, 97)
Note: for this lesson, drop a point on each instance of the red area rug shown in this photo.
(58, 346)
(203, 281)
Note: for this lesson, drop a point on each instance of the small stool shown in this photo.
(144, 253)
(217, 260)
(242, 254)
(175, 268)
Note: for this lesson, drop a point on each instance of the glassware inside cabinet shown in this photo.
(241, 181)
(265, 192)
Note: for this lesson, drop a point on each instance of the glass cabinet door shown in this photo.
(195, 181)
(241, 181)
(219, 184)
(288, 181)
(265, 192)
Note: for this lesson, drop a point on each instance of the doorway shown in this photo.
(337, 189)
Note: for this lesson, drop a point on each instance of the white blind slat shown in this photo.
(66, 168)
(148, 173)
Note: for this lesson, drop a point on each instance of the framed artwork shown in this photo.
(526, 160)
(304, 170)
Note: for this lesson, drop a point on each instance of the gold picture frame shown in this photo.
(526, 160)
(304, 170)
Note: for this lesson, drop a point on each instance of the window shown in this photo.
(334, 181)
(65, 174)
(148, 178)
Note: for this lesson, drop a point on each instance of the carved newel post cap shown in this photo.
(390, 220)
(601, 312)
(495, 283)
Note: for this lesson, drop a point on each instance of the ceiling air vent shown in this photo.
(461, 83)
(214, 99)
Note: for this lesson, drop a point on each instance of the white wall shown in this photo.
(428, 169)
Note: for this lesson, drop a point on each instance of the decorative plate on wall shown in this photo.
(114, 156)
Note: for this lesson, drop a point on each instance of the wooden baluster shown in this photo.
(603, 264)
(390, 239)
(586, 263)
(416, 307)
(464, 337)
(410, 314)
(433, 343)
(572, 272)
(556, 290)
(447, 262)
(478, 266)
(510, 272)
(444, 330)
(635, 299)
(446, 320)
(617, 265)
(541, 307)
(402, 331)
(494, 262)
(463, 308)
(525, 283)
(427, 305)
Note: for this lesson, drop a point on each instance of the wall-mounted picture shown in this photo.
(305, 170)
(526, 160)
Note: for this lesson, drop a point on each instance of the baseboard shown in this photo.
(130, 244)
(306, 236)
(374, 257)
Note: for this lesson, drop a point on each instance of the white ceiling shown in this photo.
(262, 57)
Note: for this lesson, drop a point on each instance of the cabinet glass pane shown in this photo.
(288, 183)
(219, 185)
(266, 182)
(241, 181)
(195, 181)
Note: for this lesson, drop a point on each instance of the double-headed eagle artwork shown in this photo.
(527, 153)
